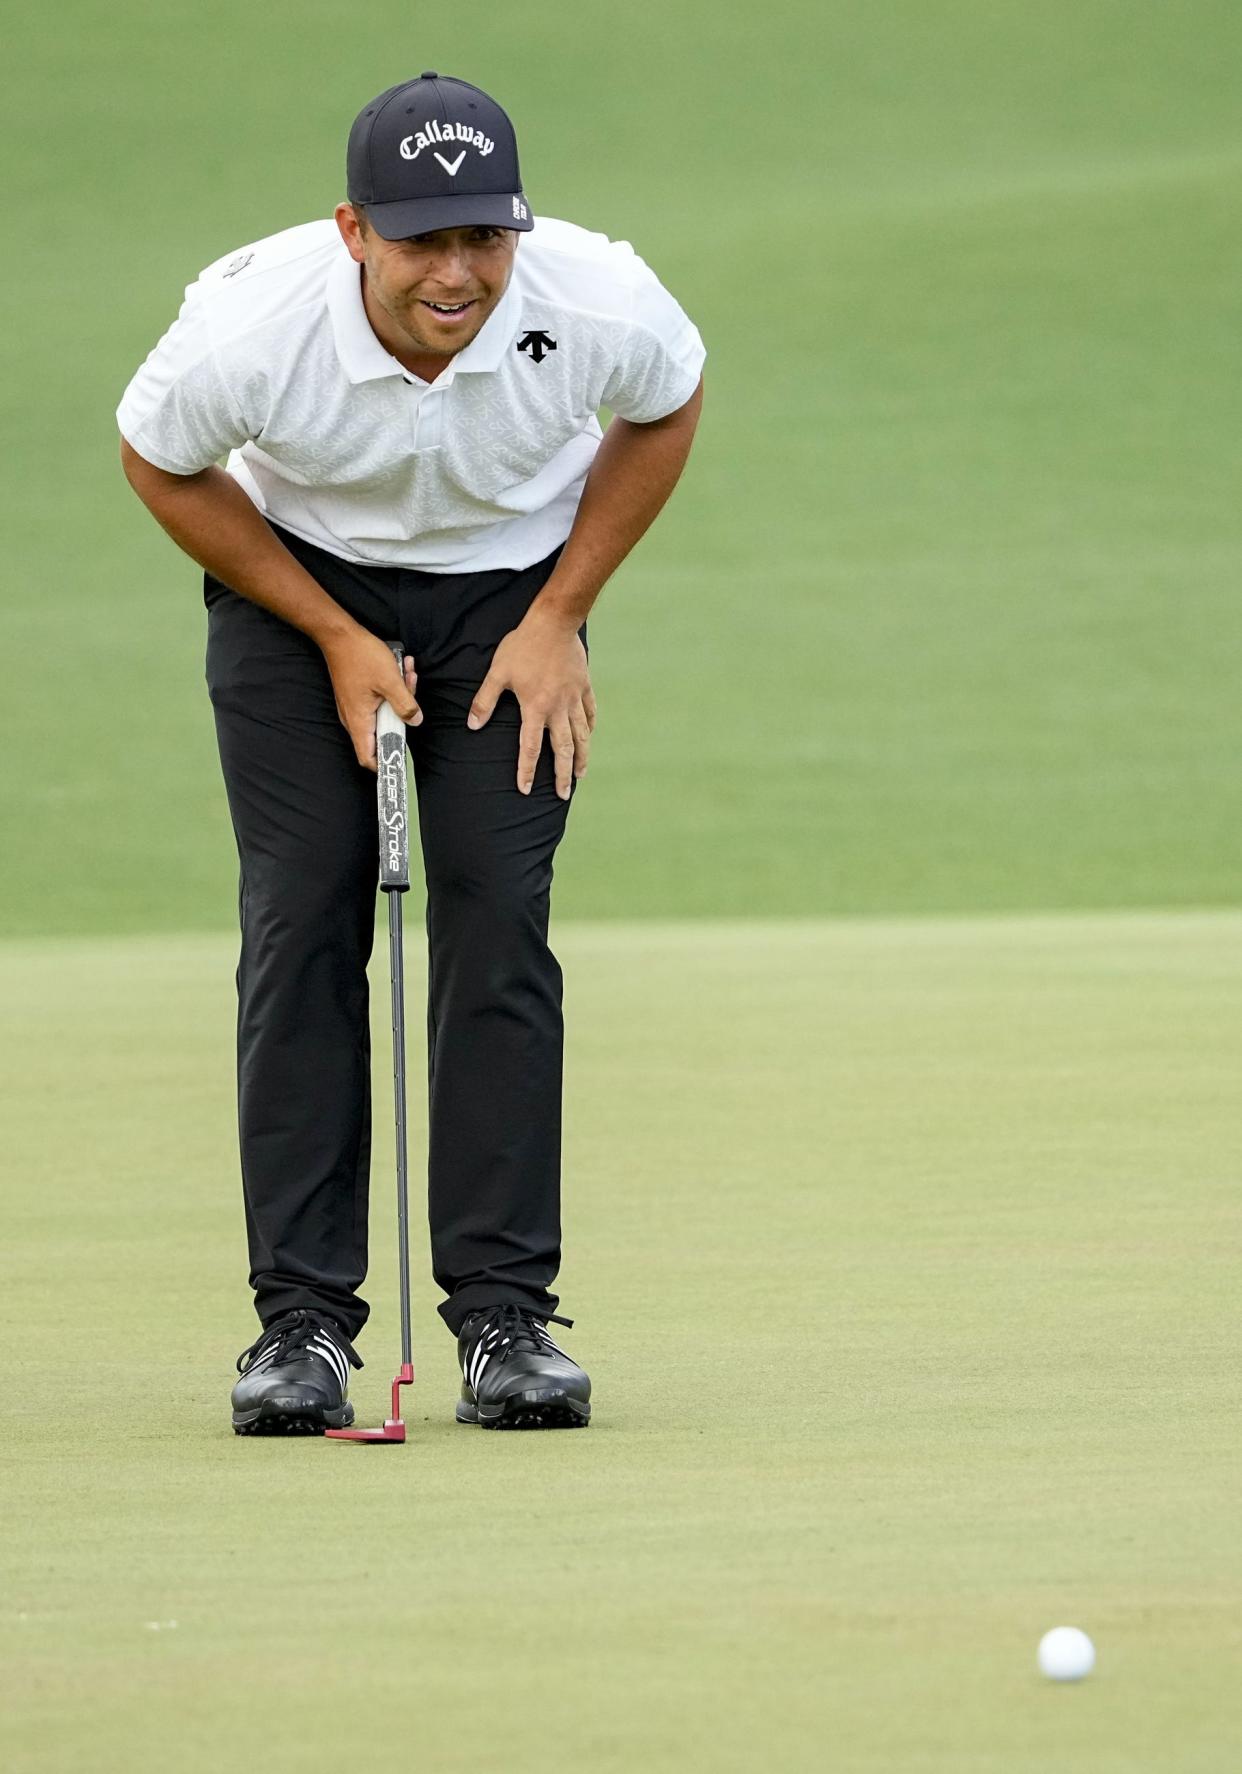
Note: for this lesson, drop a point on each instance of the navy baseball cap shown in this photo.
(435, 153)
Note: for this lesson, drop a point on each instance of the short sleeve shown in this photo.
(178, 412)
(661, 356)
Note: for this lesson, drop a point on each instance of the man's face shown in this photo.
(463, 269)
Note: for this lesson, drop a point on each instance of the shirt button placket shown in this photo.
(429, 411)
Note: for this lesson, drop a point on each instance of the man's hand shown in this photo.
(364, 674)
(544, 663)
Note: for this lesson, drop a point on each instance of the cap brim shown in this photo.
(419, 215)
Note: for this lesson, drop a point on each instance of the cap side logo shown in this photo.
(412, 146)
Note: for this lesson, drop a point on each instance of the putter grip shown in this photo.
(394, 796)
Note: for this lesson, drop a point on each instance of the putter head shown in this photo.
(393, 1430)
(394, 1427)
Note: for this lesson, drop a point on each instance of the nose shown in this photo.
(450, 269)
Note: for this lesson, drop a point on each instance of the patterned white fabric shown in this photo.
(273, 361)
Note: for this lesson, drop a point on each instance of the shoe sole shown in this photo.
(528, 1410)
(271, 1419)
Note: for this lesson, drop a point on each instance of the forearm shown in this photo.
(635, 469)
(211, 519)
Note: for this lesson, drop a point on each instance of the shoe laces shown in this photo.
(519, 1327)
(292, 1333)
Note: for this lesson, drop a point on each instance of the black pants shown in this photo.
(304, 814)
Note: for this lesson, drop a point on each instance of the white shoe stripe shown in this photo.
(316, 1348)
(479, 1358)
(326, 1348)
(484, 1349)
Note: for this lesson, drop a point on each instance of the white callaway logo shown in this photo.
(427, 137)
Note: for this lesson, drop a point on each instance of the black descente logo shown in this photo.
(538, 344)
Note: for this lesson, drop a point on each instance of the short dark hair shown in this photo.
(360, 210)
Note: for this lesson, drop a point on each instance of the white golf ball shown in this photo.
(1066, 1654)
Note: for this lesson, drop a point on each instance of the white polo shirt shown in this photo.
(273, 360)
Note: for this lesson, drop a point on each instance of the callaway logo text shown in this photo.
(433, 132)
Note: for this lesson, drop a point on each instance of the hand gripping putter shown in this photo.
(394, 880)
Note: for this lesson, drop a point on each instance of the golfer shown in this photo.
(407, 395)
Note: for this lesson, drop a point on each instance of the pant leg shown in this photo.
(495, 1030)
(303, 813)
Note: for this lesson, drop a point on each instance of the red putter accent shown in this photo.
(394, 1428)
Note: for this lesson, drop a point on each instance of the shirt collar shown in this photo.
(364, 358)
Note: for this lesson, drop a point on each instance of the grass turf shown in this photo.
(903, 1258)
(943, 615)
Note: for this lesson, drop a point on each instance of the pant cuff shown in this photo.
(276, 1305)
(482, 1295)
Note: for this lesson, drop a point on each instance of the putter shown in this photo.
(394, 847)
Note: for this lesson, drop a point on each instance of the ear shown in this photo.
(351, 231)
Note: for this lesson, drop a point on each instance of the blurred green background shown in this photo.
(944, 615)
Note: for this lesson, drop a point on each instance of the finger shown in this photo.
(485, 699)
(411, 684)
(563, 756)
(581, 730)
(401, 696)
(529, 747)
(588, 703)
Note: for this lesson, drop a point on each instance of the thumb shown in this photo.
(402, 699)
(486, 697)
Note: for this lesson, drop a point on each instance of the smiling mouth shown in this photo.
(443, 311)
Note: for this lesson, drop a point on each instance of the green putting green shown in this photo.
(903, 1256)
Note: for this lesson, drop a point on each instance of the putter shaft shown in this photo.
(397, 972)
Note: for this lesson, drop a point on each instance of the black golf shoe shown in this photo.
(296, 1378)
(515, 1377)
